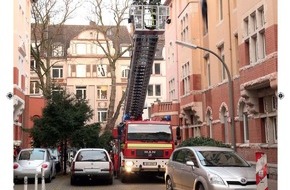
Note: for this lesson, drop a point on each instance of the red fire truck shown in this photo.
(142, 147)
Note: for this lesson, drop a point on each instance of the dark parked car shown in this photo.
(208, 168)
(92, 164)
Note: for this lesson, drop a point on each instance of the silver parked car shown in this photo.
(29, 163)
(208, 168)
(92, 164)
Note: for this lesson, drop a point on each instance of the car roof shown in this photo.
(206, 148)
(92, 149)
(34, 149)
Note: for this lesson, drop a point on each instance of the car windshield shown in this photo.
(92, 155)
(221, 159)
(149, 132)
(32, 155)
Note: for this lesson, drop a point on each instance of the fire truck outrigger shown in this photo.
(142, 147)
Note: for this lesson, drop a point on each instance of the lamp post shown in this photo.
(230, 83)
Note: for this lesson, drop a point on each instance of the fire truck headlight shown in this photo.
(128, 166)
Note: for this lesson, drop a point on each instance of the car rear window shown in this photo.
(92, 155)
(32, 155)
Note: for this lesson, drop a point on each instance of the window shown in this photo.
(154, 90)
(246, 127)
(101, 70)
(102, 92)
(156, 69)
(254, 36)
(209, 123)
(57, 50)
(32, 64)
(261, 17)
(81, 49)
(56, 91)
(157, 90)
(185, 78)
(206, 60)
(125, 71)
(184, 28)
(271, 130)
(204, 17)
(81, 92)
(150, 90)
(34, 87)
(127, 53)
(172, 89)
(80, 70)
(262, 44)
(57, 72)
(220, 10)
(270, 118)
(223, 68)
(102, 114)
(253, 22)
(254, 49)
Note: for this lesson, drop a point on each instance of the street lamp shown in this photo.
(230, 83)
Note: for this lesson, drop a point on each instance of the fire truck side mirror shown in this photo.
(178, 135)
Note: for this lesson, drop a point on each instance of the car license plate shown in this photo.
(92, 170)
(149, 163)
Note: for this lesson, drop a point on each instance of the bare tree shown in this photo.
(46, 15)
(118, 9)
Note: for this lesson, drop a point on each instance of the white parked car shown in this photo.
(92, 164)
(208, 168)
(30, 161)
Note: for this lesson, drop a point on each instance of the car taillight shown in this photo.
(15, 166)
(72, 166)
(44, 165)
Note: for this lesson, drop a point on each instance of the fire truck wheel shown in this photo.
(123, 178)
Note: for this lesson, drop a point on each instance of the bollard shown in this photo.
(25, 182)
(42, 179)
(261, 171)
(36, 182)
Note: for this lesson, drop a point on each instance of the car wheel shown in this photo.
(200, 187)
(72, 181)
(48, 180)
(123, 178)
(169, 184)
(111, 181)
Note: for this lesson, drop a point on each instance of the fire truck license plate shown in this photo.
(149, 163)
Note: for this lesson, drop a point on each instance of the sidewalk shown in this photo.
(272, 184)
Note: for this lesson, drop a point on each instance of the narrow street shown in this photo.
(62, 182)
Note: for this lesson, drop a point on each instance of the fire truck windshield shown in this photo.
(149, 132)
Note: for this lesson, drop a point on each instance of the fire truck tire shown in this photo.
(123, 178)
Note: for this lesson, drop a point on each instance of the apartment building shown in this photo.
(240, 36)
(21, 66)
(79, 65)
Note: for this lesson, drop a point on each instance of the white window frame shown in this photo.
(125, 71)
(102, 114)
(34, 87)
(82, 90)
(59, 73)
(154, 68)
(102, 70)
(81, 70)
(102, 92)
